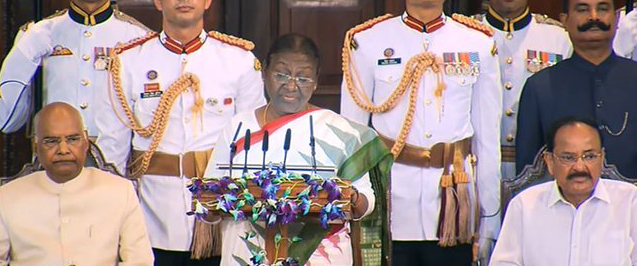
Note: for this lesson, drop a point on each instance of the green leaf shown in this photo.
(240, 204)
(287, 192)
(295, 239)
(277, 238)
(241, 182)
(233, 186)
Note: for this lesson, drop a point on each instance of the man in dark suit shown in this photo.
(593, 83)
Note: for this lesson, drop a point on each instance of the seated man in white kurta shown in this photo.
(69, 214)
(577, 220)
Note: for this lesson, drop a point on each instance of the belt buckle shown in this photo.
(426, 153)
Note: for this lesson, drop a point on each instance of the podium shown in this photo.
(276, 195)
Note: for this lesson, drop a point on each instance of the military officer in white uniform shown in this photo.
(72, 46)
(172, 94)
(527, 43)
(433, 84)
(625, 40)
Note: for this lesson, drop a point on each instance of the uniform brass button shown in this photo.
(509, 36)
(86, 57)
(85, 82)
(88, 34)
(184, 60)
(508, 85)
(84, 105)
(427, 135)
(510, 138)
(510, 112)
(509, 60)
(427, 101)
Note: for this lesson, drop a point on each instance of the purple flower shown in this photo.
(330, 212)
(290, 262)
(288, 212)
(226, 202)
(269, 189)
(312, 183)
(305, 205)
(334, 192)
(196, 187)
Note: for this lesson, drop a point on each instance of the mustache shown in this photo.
(593, 23)
(579, 174)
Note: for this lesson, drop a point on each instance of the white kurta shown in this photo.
(472, 108)
(92, 220)
(71, 78)
(541, 228)
(337, 247)
(229, 84)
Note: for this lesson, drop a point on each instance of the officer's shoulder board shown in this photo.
(57, 13)
(232, 40)
(26, 26)
(545, 19)
(365, 26)
(121, 47)
(473, 24)
(123, 17)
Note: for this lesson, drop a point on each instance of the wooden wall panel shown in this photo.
(553, 8)
(326, 25)
(146, 12)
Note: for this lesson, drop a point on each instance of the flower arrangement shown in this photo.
(274, 196)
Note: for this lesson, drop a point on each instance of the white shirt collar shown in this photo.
(599, 192)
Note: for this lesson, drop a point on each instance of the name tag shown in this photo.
(151, 90)
(389, 61)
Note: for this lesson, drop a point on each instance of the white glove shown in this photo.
(626, 36)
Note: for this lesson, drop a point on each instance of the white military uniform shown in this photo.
(71, 47)
(625, 40)
(470, 107)
(230, 83)
(526, 45)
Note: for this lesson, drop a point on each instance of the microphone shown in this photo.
(246, 148)
(312, 145)
(286, 147)
(233, 146)
(264, 147)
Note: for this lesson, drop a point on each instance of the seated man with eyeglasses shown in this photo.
(69, 214)
(578, 219)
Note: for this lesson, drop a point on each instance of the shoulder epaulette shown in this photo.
(123, 17)
(57, 13)
(473, 23)
(545, 19)
(478, 17)
(26, 26)
(364, 26)
(119, 48)
(30, 23)
(232, 40)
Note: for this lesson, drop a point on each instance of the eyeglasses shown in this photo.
(53, 142)
(300, 81)
(570, 159)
